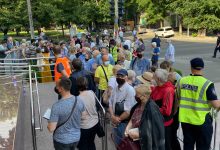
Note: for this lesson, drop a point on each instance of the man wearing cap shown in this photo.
(196, 96)
(140, 64)
(120, 104)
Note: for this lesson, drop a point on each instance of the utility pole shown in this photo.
(30, 19)
(116, 20)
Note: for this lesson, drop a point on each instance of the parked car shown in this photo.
(141, 29)
(165, 32)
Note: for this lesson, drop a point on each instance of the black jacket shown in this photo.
(151, 130)
(83, 73)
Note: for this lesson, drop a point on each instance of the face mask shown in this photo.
(120, 81)
(139, 55)
(138, 99)
(87, 59)
(106, 63)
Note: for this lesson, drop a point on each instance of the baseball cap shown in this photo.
(122, 72)
(197, 63)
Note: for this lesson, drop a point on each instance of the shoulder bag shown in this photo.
(74, 106)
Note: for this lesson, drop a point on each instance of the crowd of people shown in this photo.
(146, 101)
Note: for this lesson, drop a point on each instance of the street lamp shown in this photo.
(30, 19)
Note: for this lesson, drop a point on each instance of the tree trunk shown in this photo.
(202, 32)
(188, 30)
(161, 23)
(180, 25)
(62, 30)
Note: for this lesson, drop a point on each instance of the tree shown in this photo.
(199, 14)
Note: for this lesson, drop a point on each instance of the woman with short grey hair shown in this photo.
(163, 95)
(161, 75)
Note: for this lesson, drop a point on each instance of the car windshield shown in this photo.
(168, 29)
(160, 30)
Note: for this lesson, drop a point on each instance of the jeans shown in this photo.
(119, 133)
(87, 138)
(215, 51)
(199, 134)
(168, 137)
(60, 146)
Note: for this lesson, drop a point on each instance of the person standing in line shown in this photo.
(134, 33)
(140, 64)
(155, 54)
(217, 48)
(103, 74)
(89, 123)
(65, 117)
(157, 40)
(196, 96)
(170, 52)
(163, 95)
(120, 104)
(121, 35)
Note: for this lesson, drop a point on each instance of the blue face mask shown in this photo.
(106, 63)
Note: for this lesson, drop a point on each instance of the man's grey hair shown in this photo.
(131, 74)
(162, 75)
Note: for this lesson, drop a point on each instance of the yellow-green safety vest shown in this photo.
(114, 52)
(194, 105)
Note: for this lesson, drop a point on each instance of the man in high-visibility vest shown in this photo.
(62, 65)
(196, 96)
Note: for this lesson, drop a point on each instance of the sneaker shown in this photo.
(213, 56)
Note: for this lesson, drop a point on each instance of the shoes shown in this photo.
(213, 56)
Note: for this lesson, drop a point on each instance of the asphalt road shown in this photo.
(185, 51)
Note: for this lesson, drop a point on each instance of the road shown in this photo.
(185, 51)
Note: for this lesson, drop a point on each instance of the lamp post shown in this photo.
(30, 19)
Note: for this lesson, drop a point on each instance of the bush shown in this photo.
(194, 34)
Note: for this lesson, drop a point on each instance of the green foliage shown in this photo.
(194, 34)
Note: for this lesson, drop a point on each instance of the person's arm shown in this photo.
(212, 97)
(51, 126)
(97, 75)
(60, 69)
(129, 126)
(167, 103)
(54, 117)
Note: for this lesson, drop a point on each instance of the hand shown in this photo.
(133, 135)
(126, 132)
(115, 120)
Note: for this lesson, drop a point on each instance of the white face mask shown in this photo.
(106, 63)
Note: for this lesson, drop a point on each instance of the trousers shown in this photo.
(61, 146)
(201, 135)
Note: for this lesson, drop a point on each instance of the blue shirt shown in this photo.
(70, 131)
(90, 63)
(156, 57)
(139, 66)
(99, 59)
(84, 62)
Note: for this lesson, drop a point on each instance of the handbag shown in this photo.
(128, 144)
(99, 130)
(119, 108)
(74, 106)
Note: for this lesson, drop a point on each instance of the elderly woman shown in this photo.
(155, 54)
(131, 77)
(163, 95)
(146, 122)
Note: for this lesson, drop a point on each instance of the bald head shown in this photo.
(105, 58)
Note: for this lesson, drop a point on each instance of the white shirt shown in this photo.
(121, 34)
(128, 42)
(90, 118)
(170, 52)
(127, 93)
